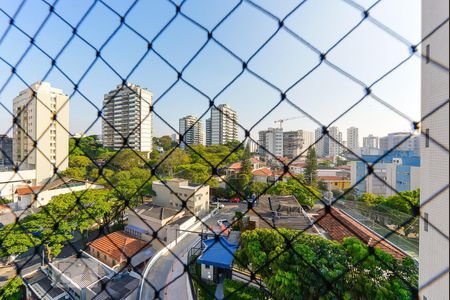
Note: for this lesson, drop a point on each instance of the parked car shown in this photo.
(235, 200)
(224, 222)
(218, 204)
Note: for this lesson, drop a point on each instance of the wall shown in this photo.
(10, 180)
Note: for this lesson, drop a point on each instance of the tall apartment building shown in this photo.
(221, 127)
(371, 141)
(271, 143)
(6, 151)
(335, 149)
(322, 143)
(127, 118)
(353, 138)
(42, 114)
(397, 140)
(434, 196)
(192, 130)
(296, 143)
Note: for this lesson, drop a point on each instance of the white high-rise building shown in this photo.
(271, 143)
(371, 141)
(128, 118)
(42, 115)
(434, 192)
(335, 149)
(322, 143)
(192, 130)
(400, 141)
(353, 139)
(222, 127)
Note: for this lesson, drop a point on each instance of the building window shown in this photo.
(114, 262)
(207, 267)
(427, 138)
(425, 220)
(427, 54)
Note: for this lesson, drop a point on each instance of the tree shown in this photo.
(311, 167)
(306, 195)
(166, 142)
(173, 159)
(312, 267)
(13, 289)
(127, 159)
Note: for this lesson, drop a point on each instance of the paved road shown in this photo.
(167, 277)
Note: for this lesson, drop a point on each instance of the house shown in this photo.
(81, 278)
(40, 195)
(336, 182)
(262, 175)
(173, 192)
(146, 220)
(115, 249)
(339, 225)
(234, 168)
(280, 212)
(297, 168)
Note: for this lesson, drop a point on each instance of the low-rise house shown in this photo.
(80, 278)
(234, 168)
(146, 220)
(118, 250)
(172, 193)
(280, 212)
(297, 168)
(10, 181)
(262, 175)
(37, 196)
(336, 182)
(338, 225)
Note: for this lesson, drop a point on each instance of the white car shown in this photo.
(218, 204)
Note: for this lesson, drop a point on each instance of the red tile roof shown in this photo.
(262, 172)
(339, 225)
(28, 190)
(235, 166)
(119, 245)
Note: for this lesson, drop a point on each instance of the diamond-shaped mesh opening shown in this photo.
(189, 150)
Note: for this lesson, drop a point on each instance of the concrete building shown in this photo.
(335, 149)
(128, 118)
(434, 225)
(6, 152)
(271, 143)
(173, 192)
(371, 141)
(399, 170)
(398, 141)
(322, 143)
(42, 114)
(221, 127)
(296, 143)
(10, 181)
(192, 130)
(353, 139)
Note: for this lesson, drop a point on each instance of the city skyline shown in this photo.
(249, 96)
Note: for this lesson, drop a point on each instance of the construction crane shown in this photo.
(288, 119)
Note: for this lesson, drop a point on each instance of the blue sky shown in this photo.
(367, 53)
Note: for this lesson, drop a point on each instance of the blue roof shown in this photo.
(218, 254)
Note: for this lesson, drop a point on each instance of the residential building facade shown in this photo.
(41, 115)
(400, 141)
(221, 127)
(6, 151)
(271, 143)
(434, 192)
(353, 139)
(335, 148)
(322, 143)
(191, 128)
(127, 118)
(371, 141)
(296, 143)
(397, 171)
(173, 192)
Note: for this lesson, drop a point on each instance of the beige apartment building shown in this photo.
(42, 115)
(172, 192)
(434, 196)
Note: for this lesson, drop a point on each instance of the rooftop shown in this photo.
(262, 172)
(218, 253)
(119, 287)
(83, 271)
(340, 225)
(156, 212)
(119, 245)
(42, 286)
